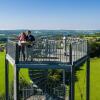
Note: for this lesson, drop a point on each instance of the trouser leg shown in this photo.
(27, 52)
(19, 50)
(31, 54)
(23, 52)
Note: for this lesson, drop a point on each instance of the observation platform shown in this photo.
(48, 53)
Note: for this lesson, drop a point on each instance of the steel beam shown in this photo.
(6, 79)
(88, 74)
(16, 83)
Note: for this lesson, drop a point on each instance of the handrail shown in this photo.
(45, 50)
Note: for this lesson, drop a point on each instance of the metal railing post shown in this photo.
(16, 74)
(6, 79)
(64, 83)
(70, 60)
(17, 54)
(70, 53)
(16, 83)
(72, 78)
(88, 73)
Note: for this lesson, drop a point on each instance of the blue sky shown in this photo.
(50, 14)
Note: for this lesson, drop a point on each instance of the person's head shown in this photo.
(23, 33)
(28, 32)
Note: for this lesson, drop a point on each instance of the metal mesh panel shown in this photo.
(49, 50)
(11, 49)
(43, 86)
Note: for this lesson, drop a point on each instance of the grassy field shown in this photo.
(94, 82)
(80, 79)
(23, 73)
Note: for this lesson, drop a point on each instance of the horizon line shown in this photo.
(51, 29)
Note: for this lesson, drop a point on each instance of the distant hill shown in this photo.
(11, 33)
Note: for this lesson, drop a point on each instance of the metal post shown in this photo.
(7, 79)
(16, 75)
(64, 42)
(64, 80)
(16, 83)
(17, 54)
(72, 82)
(18, 97)
(72, 78)
(88, 74)
(70, 59)
(70, 53)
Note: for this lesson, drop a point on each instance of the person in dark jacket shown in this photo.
(30, 39)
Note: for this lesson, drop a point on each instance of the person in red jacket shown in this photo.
(21, 43)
